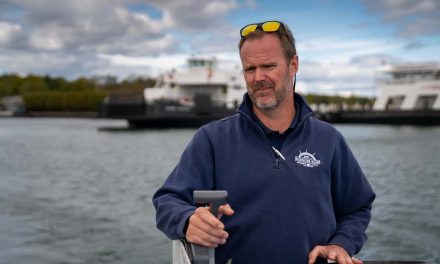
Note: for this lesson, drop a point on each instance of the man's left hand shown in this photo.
(332, 252)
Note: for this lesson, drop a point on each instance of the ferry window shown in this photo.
(427, 75)
(425, 101)
(437, 75)
(159, 83)
(399, 76)
(225, 89)
(173, 85)
(236, 87)
(394, 103)
(196, 63)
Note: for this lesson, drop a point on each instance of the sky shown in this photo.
(340, 44)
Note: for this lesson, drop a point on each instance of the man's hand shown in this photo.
(207, 230)
(334, 253)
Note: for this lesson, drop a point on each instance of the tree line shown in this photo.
(47, 93)
(339, 100)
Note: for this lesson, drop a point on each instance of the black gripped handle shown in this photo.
(213, 198)
(200, 254)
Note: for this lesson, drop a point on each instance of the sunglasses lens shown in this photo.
(271, 26)
(248, 29)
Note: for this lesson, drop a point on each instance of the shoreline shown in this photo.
(55, 114)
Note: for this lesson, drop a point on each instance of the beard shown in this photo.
(271, 98)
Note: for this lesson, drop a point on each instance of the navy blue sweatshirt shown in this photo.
(316, 195)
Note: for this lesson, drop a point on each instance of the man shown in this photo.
(296, 192)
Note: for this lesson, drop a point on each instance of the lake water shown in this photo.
(73, 193)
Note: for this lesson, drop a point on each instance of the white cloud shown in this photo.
(395, 10)
(221, 8)
(160, 62)
(68, 36)
(195, 15)
(344, 78)
(48, 38)
(88, 26)
(39, 63)
(153, 66)
(8, 32)
(163, 44)
(333, 49)
(412, 18)
(250, 4)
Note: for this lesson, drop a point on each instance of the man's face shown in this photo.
(269, 78)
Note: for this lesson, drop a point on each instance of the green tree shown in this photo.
(55, 83)
(82, 84)
(9, 84)
(33, 84)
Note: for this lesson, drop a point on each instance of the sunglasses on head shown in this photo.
(268, 26)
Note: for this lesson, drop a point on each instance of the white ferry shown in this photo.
(409, 87)
(407, 94)
(188, 96)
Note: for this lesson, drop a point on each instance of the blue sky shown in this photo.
(340, 44)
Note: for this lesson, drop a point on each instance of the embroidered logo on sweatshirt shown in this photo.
(307, 159)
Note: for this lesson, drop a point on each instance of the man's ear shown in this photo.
(294, 63)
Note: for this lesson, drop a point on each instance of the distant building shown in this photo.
(13, 104)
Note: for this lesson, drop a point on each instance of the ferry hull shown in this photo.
(396, 117)
(171, 122)
(165, 114)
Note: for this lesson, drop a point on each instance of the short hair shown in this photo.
(285, 36)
